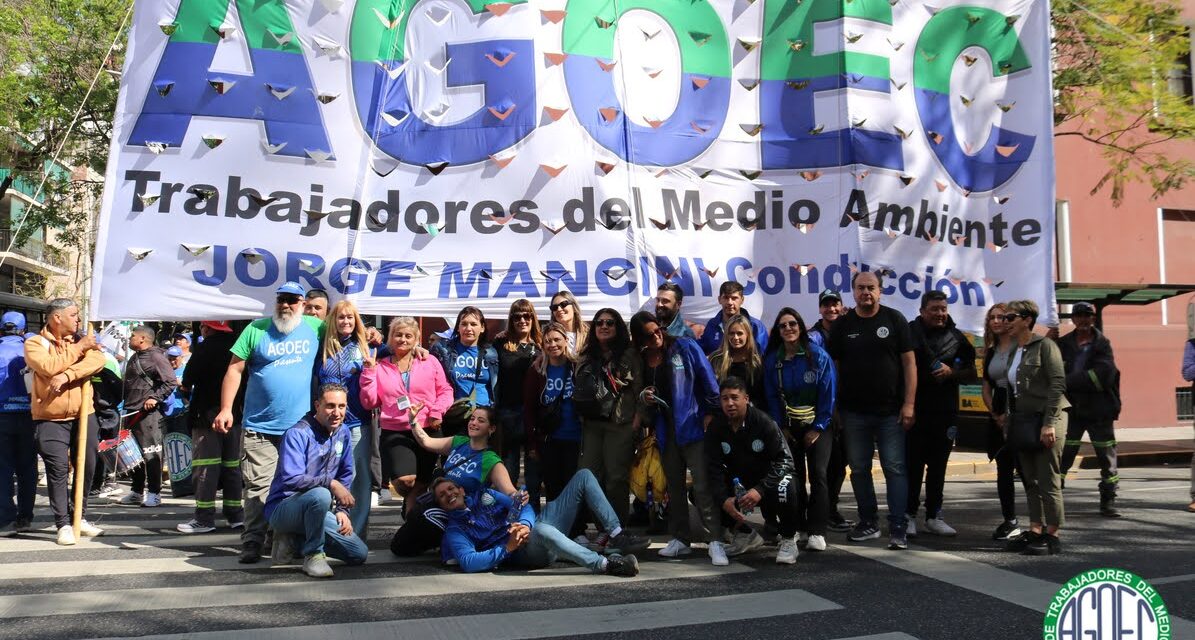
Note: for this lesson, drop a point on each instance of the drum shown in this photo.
(121, 454)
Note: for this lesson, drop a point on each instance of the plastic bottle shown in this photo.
(739, 492)
(516, 505)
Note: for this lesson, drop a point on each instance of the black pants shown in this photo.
(836, 469)
(1007, 462)
(928, 447)
(810, 465)
(421, 531)
(18, 458)
(1103, 440)
(558, 462)
(148, 433)
(57, 442)
(784, 503)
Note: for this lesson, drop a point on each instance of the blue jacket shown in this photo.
(800, 379)
(711, 338)
(446, 350)
(694, 394)
(476, 535)
(309, 457)
(678, 329)
(13, 395)
(345, 369)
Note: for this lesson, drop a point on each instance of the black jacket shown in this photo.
(204, 375)
(951, 347)
(1092, 383)
(147, 374)
(756, 454)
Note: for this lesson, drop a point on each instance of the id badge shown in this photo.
(404, 403)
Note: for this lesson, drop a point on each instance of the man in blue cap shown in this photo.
(278, 354)
(18, 450)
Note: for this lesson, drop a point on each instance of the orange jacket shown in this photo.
(48, 357)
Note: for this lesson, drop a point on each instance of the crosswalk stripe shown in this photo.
(45, 542)
(170, 523)
(556, 622)
(306, 590)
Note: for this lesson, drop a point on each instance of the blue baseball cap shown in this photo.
(291, 287)
(174, 352)
(15, 318)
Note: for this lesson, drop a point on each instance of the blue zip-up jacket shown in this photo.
(14, 397)
(678, 329)
(694, 393)
(712, 337)
(345, 369)
(794, 373)
(446, 351)
(476, 535)
(310, 457)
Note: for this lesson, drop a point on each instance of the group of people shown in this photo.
(282, 417)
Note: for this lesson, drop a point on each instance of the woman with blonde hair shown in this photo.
(739, 356)
(998, 346)
(567, 311)
(1034, 422)
(549, 415)
(406, 389)
(342, 357)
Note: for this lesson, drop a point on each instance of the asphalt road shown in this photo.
(141, 579)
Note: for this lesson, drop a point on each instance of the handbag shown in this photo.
(800, 417)
(1024, 432)
(461, 410)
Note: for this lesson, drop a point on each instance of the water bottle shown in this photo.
(739, 492)
(516, 505)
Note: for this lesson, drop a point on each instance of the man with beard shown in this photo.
(278, 353)
(669, 298)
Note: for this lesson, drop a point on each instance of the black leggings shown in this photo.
(1007, 462)
(811, 463)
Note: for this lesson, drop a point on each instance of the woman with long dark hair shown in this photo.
(518, 346)
(609, 430)
(471, 366)
(799, 382)
(680, 396)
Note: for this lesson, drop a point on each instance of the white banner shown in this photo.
(415, 154)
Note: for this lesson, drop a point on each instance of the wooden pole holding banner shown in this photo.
(81, 458)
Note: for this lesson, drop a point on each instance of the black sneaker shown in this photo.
(864, 531)
(1108, 508)
(625, 543)
(23, 525)
(1022, 542)
(622, 566)
(1044, 545)
(1007, 529)
(250, 553)
(839, 524)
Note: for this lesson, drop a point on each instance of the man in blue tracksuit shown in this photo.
(486, 529)
(18, 451)
(309, 498)
(730, 296)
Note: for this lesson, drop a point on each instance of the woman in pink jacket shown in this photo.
(397, 385)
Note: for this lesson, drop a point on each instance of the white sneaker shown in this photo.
(316, 566)
(787, 554)
(384, 496)
(911, 530)
(938, 527)
(374, 500)
(66, 535)
(130, 498)
(193, 526)
(718, 554)
(89, 530)
(675, 548)
(152, 500)
(816, 543)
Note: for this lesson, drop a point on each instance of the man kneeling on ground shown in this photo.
(309, 498)
(744, 444)
(486, 529)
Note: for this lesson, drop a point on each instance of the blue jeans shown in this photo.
(863, 432)
(307, 514)
(18, 457)
(360, 487)
(549, 538)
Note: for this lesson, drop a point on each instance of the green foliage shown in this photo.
(50, 50)
(1114, 63)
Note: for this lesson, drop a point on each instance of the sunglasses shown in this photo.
(604, 322)
(289, 299)
(1009, 317)
(521, 316)
(791, 324)
(559, 305)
